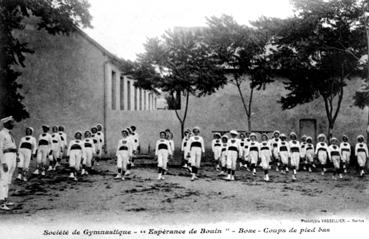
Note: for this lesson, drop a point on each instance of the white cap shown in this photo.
(252, 134)
(218, 134)
(30, 128)
(321, 136)
(7, 119)
(225, 136)
(293, 133)
(276, 132)
(307, 138)
(360, 136)
(46, 126)
(196, 128)
(283, 136)
(334, 139)
(234, 132)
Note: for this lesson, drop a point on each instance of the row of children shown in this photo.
(50, 148)
(285, 154)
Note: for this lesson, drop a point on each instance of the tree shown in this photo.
(361, 97)
(242, 53)
(180, 64)
(318, 50)
(55, 16)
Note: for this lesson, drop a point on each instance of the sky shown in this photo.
(122, 26)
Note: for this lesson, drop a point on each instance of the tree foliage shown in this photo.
(318, 50)
(180, 64)
(241, 51)
(55, 16)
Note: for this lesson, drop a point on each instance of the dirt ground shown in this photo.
(142, 199)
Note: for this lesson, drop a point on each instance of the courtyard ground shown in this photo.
(142, 199)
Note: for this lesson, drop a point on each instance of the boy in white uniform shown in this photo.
(124, 152)
(216, 147)
(284, 153)
(233, 152)
(97, 144)
(76, 155)
(27, 148)
(64, 144)
(335, 157)
(101, 138)
(265, 155)
(89, 153)
(303, 152)
(44, 150)
(223, 156)
(187, 135)
(56, 146)
(309, 147)
(273, 142)
(321, 151)
(345, 152)
(253, 152)
(196, 148)
(361, 153)
(136, 139)
(163, 152)
(245, 162)
(295, 153)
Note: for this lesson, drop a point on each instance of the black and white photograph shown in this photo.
(184, 119)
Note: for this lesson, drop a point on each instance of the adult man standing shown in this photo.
(8, 161)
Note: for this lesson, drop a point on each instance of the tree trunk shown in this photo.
(367, 80)
(182, 120)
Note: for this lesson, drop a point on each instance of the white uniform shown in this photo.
(265, 154)
(361, 153)
(27, 147)
(284, 151)
(274, 146)
(295, 152)
(97, 143)
(196, 147)
(89, 152)
(253, 152)
(64, 141)
(321, 151)
(184, 147)
(56, 145)
(101, 139)
(223, 155)
(171, 143)
(124, 152)
(162, 150)
(309, 152)
(335, 155)
(245, 150)
(242, 145)
(345, 152)
(8, 156)
(44, 148)
(233, 152)
(303, 150)
(216, 147)
(135, 140)
(75, 153)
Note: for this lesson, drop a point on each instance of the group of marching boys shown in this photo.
(50, 147)
(285, 154)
